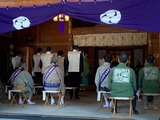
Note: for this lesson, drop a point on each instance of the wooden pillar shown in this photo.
(70, 36)
(158, 57)
(149, 41)
(91, 59)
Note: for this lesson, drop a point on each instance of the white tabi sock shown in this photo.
(110, 104)
(52, 101)
(106, 104)
(30, 102)
(20, 100)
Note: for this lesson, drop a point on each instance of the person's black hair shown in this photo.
(39, 50)
(108, 58)
(17, 53)
(85, 52)
(114, 64)
(123, 57)
(48, 49)
(60, 52)
(75, 47)
(150, 58)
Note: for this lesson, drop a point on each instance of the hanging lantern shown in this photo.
(61, 23)
(61, 18)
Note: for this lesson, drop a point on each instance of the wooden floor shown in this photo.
(87, 107)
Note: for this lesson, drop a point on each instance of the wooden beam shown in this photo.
(100, 29)
(4, 3)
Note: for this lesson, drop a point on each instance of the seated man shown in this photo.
(101, 78)
(149, 80)
(53, 79)
(21, 79)
(122, 80)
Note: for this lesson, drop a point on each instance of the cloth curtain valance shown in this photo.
(135, 14)
(111, 39)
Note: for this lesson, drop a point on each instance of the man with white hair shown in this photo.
(21, 79)
(53, 79)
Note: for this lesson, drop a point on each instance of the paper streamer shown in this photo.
(98, 96)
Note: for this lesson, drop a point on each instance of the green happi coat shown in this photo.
(149, 79)
(122, 81)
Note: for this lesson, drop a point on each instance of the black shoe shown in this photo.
(71, 97)
(77, 97)
(135, 112)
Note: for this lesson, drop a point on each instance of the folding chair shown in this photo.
(12, 94)
(151, 94)
(114, 99)
(46, 96)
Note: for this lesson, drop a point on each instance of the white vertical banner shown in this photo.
(44, 95)
(9, 95)
(99, 96)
